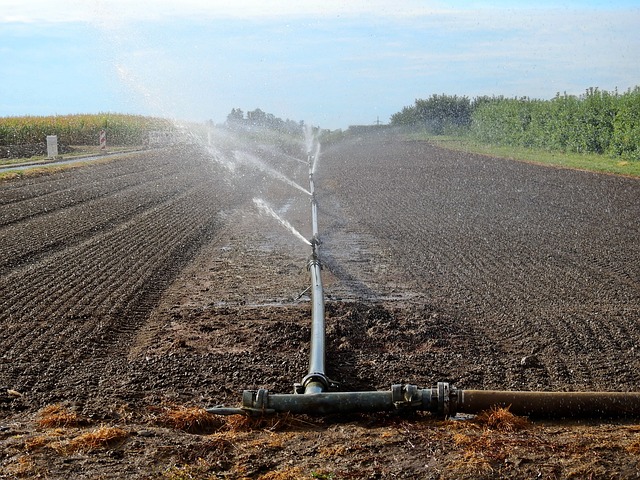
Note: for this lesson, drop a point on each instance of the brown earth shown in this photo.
(135, 292)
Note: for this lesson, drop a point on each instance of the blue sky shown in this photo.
(331, 63)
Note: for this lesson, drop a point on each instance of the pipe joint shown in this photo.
(315, 383)
(314, 261)
(256, 402)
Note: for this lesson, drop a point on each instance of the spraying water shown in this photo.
(265, 208)
(247, 158)
(219, 157)
(316, 155)
(292, 158)
(309, 138)
(313, 147)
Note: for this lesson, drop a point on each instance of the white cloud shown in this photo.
(38, 11)
(35, 11)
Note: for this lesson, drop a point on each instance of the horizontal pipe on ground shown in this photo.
(443, 401)
(552, 404)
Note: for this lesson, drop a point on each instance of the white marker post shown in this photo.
(103, 140)
(52, 146)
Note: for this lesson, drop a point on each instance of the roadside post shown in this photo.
(103, 140)
(52, 146)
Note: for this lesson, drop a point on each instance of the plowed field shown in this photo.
(153, 283)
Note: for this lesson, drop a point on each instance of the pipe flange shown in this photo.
(443, 399)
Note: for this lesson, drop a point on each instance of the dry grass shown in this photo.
(472, 464)
(24, 467)
(188, 419)
(487, 442)
(55, 416)
(481, 453)
(335, 450)
(218, 443)
(97, 439)
(634, 448)
(265, 440)
(502, 420)
(291, 473)
(199, 470)
(272, 423)
(36, 443)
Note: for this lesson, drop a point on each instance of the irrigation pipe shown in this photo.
(444, 401)
(313, 395)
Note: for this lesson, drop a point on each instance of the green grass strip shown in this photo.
(589, 162)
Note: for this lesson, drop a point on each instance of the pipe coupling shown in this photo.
(317, 378)
(314, 261)
(256, 402)
(444, 400)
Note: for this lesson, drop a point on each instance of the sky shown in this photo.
(330, 63)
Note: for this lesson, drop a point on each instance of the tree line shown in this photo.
(595, 122)
(258, 118)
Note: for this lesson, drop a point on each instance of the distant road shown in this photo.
(46, 163)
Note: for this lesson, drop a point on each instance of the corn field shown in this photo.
(81, 129)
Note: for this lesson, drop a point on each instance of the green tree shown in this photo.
(443, 113)
(408, 116)
(235, 116)
(625, 140)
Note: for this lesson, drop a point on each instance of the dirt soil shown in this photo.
(138, 292)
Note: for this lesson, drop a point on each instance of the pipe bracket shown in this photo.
(256, 402)
(405, 396)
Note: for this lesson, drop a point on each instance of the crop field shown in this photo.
(24, 137)
(136, 292)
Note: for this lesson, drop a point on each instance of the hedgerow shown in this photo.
(598, 121)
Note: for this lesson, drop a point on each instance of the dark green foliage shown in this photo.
(258, 118)
(407, 117)
(625, 140)
(596, 122)
(439, 114)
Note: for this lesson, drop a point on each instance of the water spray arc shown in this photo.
(316, 393)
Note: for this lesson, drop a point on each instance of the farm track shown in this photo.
(154, 280)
